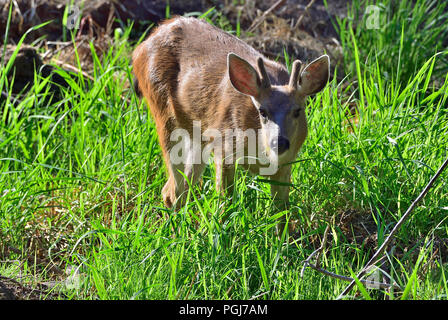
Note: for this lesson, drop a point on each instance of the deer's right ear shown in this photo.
(243, 76)
(315, 76)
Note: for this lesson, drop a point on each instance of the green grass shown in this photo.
(407, 35)
(81, 184)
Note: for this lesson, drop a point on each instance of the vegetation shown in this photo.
(81, 179)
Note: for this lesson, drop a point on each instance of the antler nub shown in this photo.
(265, 82)
(295, 72)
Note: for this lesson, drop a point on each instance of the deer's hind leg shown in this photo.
(184, 162)
(165, 125)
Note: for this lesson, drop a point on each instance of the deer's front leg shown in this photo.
(224, 178)
(280, 193)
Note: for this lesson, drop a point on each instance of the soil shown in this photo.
(276, 32)
(11, 289)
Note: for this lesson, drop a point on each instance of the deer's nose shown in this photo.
(280, 144)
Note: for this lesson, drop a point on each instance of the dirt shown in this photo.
(275, 33)
(11, 289)
(278, 30)
(281, 29)
(95, 13)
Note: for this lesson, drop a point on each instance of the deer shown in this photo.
(196, 77)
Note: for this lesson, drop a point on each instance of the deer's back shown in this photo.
(186, 63)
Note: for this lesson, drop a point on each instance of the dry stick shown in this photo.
(73, 69)
(299, 21)
(317, 251)
(380, 251)
(258, 21)
(374, 284)
(191, 285)
(317, 267)
(322, 246)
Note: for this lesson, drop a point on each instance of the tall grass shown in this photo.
(407, 35)
(81, 181)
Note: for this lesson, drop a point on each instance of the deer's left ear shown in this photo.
(315, 76)
(243, 76)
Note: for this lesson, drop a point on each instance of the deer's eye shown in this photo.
(263, 113)
(296, 113)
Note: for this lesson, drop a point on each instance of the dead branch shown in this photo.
(317, 251)
(259, 20)
(73, 69)
(299, 21)
(408, 212)
(374, 284)
(317, 267)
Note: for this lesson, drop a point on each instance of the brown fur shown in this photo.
(182, 70)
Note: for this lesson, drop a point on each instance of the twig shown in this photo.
(317, 267)
(73, 69)
(374, 284)
(259, 296)
(53, 52)
(380, 251)
(323, 245)
(259, 20)
(191, 285)
(299, 21)
(317, 251)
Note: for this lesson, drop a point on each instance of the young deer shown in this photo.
(196, 77)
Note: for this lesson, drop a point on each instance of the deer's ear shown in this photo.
(315, 76)
(243, 76)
